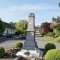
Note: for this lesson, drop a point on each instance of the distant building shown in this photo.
(9, 28)
(51, 26)
(37, 28)
(56, 21)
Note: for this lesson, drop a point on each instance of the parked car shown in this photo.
(7, 35)
(22, 36)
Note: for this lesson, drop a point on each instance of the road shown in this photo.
(9, 42)
(41, 42)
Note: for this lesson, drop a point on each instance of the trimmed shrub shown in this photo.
(2, 52)
(53, 55)
(18, 45)
(58, 40)
(49, 46)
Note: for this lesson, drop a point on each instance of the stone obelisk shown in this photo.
(30, 43)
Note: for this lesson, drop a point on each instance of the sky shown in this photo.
(15, 10)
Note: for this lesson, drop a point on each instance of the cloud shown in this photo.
(13, 13)
(29, 8)
(32, 7)
(24, 7)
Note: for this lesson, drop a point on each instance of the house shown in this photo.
(56, 21)
(9, 28)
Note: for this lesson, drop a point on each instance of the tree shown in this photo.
(57, 31)
(13, 23)
(45, 27)
(21, 26)
(2, 26)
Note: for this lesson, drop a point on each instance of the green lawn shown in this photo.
(51, 38)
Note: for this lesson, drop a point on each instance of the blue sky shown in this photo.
(15, 10)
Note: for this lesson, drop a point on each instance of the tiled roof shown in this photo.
(7, 25)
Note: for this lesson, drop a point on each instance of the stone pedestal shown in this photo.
(33, 53)
(30, 43)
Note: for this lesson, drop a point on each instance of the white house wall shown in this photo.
(11, 31)
(5, 31)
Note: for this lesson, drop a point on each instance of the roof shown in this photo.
(7, 25)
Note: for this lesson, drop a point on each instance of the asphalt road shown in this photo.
(41, 43)
(9, 42)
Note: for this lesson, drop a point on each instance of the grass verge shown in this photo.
(51, 38)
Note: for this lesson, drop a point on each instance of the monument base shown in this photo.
(33, 53)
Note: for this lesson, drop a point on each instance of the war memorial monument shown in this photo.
(30, 44)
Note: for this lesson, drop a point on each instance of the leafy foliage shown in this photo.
(18, 45)
(49, 46)
(21, 26)
(56, 31)
(53, 55)
(52, 34)
(2, 52)
(2, 26)
(13, 24)
(17, 32)
(42, 33)
(45, 27)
